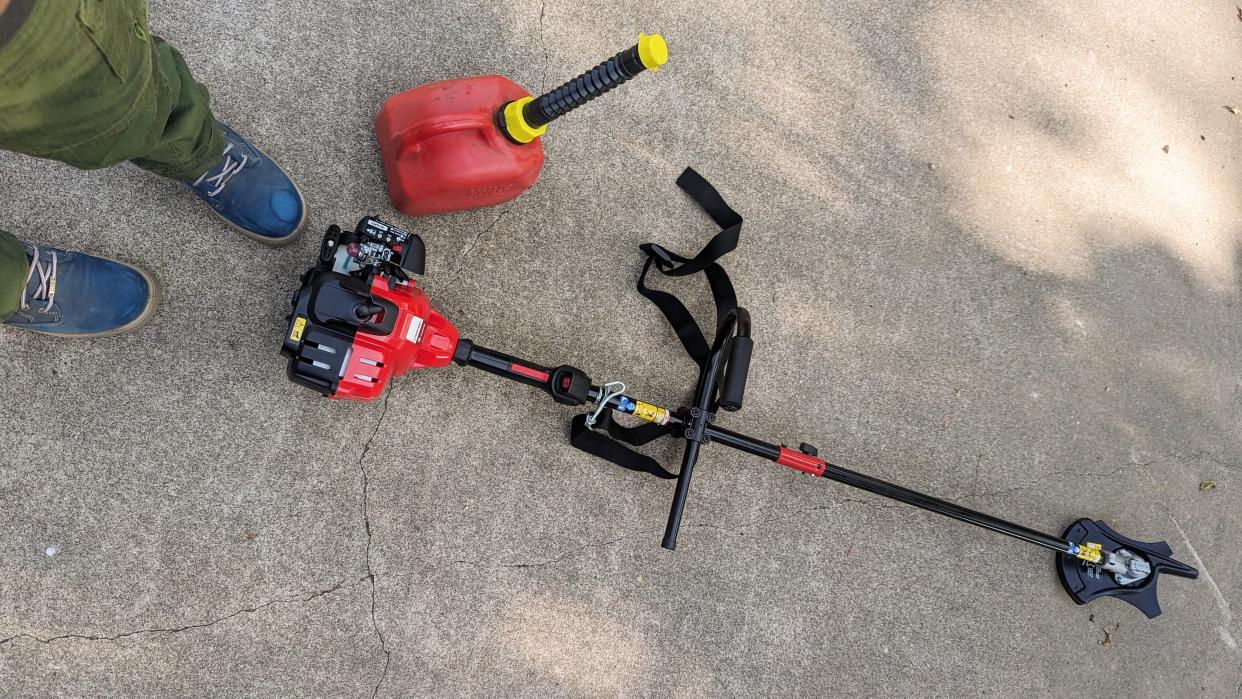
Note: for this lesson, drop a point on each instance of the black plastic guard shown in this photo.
(1086, 581)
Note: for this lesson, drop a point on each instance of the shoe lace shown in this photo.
(47, 280)
(231, 167)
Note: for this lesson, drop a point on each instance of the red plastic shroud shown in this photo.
(443, 150)
(421, 339)
(801, 462)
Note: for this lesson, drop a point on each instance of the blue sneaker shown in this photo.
(252, 193)
(72, 294)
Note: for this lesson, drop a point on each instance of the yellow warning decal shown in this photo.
(650, 413)
(299, 325)
(1090, 553)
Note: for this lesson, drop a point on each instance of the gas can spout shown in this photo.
(523, 120)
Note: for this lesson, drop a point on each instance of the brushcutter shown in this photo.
(359, 320)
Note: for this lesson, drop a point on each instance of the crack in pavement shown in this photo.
(366, 523)
(1068, 472)
(1222, 604)
(1216, 460)
(572, 553)
(543, 8)
(461, 259)
(833, 502)
(188, 627)
(564, 556)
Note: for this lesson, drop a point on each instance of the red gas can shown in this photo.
(443, 151)
(474, 142)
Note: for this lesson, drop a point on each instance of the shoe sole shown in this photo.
(153, 302)
(273, 242)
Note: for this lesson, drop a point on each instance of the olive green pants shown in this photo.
(84, 82)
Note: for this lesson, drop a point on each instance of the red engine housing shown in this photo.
(421, 339)
(443, 151)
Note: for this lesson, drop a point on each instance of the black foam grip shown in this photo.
(736, 373)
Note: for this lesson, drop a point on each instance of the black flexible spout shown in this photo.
(524, 120)
(584, 88)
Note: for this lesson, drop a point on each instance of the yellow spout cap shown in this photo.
(516, 124)
(652, 50)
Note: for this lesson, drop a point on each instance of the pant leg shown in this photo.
(85, 83)
(13, 270)
(187, 141)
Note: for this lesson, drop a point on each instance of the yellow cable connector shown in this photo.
(652, 50)
(1090, 552)
(515, 122)
(650, 413)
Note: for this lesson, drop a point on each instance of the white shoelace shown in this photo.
(47, 281)
(231, 167)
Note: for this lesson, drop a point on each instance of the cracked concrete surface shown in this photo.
(190, 627)
(366, 523)
(973, 270)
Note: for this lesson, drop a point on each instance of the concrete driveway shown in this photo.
(991, 252)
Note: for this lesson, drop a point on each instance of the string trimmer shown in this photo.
(359, 320)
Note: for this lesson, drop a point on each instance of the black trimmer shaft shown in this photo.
(1086, 566)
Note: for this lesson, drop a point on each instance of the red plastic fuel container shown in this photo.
(474, 142)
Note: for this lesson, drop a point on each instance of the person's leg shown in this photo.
(13, 269)
(84, 82)
(188, 142)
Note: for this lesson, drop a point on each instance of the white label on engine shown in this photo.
(416, 329)
(345, 362)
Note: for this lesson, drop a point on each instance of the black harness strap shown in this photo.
(609, 446)
(673, 265)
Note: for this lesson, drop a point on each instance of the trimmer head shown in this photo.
(1085, 581)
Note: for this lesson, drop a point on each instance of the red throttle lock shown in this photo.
(474, 142)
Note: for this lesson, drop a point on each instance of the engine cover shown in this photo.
(359, 320)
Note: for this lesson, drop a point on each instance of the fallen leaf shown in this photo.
(251, 536)
(1232, 109)
(849, 551)
(1108, 639)
(1202, 137)
(1207, 485)
(1091, 618)
(1165, 149)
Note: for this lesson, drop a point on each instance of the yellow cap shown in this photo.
(652, 50)
(515, 122)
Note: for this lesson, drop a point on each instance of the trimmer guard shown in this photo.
(1086, 581)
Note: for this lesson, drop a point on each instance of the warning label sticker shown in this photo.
(650, 413)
